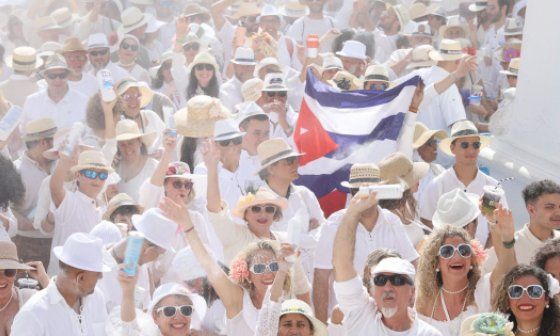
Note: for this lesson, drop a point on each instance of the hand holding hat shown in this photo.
(359, 204)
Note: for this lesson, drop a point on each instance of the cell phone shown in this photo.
(384, 192)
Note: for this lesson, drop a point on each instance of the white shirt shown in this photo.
(249, 165)
(12, 225)
(448, 181)
(86, 86)
(132, 186)
(71, 109)
(384, 45)
(231, 188)
(362, 317)
(230, 93)
(435, 170)
(304, 26)
(117, 72)
(47, 314)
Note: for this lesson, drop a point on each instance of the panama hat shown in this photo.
(456, 208)
(246, 9)
(82, 251)
(418, 12)
(120, 200)
(40, 128)
(330, 61)
(193, 8)
(274, 150)
(250, 109)
(91, 159)
(127, 129)
(145, 91)
(72, 44)
(377, 72)
(156, 228)
(487, 324)
(449, 50)
(353, 49)
(513, 27)
(226, 129)
(462, 129)
(9, 258)
(244, 56)
(274, 82)
(267, 61)
(55, 62)
(513, 68)
(132, 18)
(397, 167)
(24, 59)
(478, 6)
(204, 57)
(452, 22)
(64, 17)
(295, 306)
(420, 57)
(422, 134)
(97, 40)
(262, 196)
(197, 119)
(361, 175)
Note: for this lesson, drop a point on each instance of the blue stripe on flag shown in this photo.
(325, 183)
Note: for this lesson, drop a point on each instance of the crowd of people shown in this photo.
(149, 173)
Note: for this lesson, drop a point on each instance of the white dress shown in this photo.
(245, 322)
(132, 186)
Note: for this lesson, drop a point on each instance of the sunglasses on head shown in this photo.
(182, 184)
(61, 75)
(9, 273)
(447, 251)
(380, 280)
(235, 141)
(171, 311)
(270, 209)
(265, 268)
(99, 52)
(191, 46)
(92, 174)
(207, 67)
(465, 145)
(533, 291)
(272, 94)
(126, 46)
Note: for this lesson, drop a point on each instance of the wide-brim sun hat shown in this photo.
(449, 50)
(397, 168)
(422, 134)
(9, 257)
(197, 119)
(92, 159)
(462, 129)
(120, 200)
(261, 197)
(146, 93)
(24, 59)
(295, 306)
(456, 208)
(128, 129)
(274, 150)
(361, 175)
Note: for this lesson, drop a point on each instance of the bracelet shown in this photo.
(413, 109)
(188, 230)
(509, 244)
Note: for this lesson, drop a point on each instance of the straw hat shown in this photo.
(377, 72)
(478, 6)
(262, 196)
(9, 258)
(249, 110)
(45, 23)
(91, 159)
(145, 91)
(421, 57)
(82, 251)
(293, 9)
(246, 9)
(244, 56)
(120, 200)
(513, 27)
(295, 306)
(274, 150)
(197, 119)
(487, 324)
(422, 134)
(48, 49)
(456, 208)
(156, 228)
(362, 174)
(353, 49)
(452, 22)
(462, 129)
(40, 128)
(72, 44)
(449, 50)
(24, 59)
(204, 57)
(418, 12)
(127, 129)
(274, 82)
(64, 17)
(267, 61)
(251, 90)
(226, 129)
(345, 81)
(402, 15)
(513, 68)
(132, 18)
(54, 62)
(397, 167)
(194, 8)
(330, 61)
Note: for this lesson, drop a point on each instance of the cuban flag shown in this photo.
(337, 129)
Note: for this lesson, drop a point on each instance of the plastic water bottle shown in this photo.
(76, 133)
(312, 44)
(106, 82)
(132, 253)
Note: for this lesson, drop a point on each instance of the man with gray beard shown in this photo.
(385, 310)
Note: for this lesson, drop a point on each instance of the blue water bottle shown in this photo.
(132, 253)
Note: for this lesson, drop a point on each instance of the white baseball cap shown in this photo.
(396, 266)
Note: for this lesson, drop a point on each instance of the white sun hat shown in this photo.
(82, 251)
(353, 49)
(226, 129)
(157, 228)
(456, 208)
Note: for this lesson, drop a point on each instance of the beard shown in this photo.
(388, 312)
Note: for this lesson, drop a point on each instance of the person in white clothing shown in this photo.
(13, 192)
(313, 23)
(425, 145)
(70, 305)
(127, 52)
(100, 57)
(21, 84)
(353, 57)
(385, 309)
(75, 55)
(243, 67)
(274, 101)
(392, 22)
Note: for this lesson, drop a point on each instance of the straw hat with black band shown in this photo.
(449, 50)
(72, 44)
(24, 59)
(513, 68)
(40, 128)
(422, 134)
(56, 62)
(397, 168)
(128, 129)
(462, 129)
(274, 150)
(362, 175)
(120, 200)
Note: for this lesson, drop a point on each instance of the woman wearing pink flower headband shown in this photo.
(450, 284)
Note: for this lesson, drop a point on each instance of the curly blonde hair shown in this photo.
(429, 281)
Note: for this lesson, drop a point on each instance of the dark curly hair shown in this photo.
(549, 250)
(533, 191)
(12, 190)
(550, 324)
(95, 118)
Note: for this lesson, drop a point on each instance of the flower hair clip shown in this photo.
(478, 251)
(239, 270)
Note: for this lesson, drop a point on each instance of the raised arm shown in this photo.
(466, 65)
(503, 235)
(218, 9)
(109, 120)
(211, 156)
(128, 283)
(57, 179)
(169, 145)
(345, 239)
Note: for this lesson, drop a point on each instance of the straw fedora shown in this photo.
(267, 61)
(346, 81)
(197, 119)
(250, 109)
(193, 8)
(72, 44)
(330, 61)
(24, 59)
(418, 12)
(478, 6)
(353, 49)
(420, 57)
(251, 90)
(156, 228)
(402, 15)
(487, 324)
(204, 57)
(513, 68)
(449, 50)
(456, 208)
(55, 62)
(244, 56)
(64, 17)
(91, 159)
(127, 129)
(274, 150)
(40, 128)
(377, 72)
(513, 27)
(82, 251)
(361, 175)
(262, 196)
(132, 18)
(97, 40)
(45, 23)
(422, 134)
(226, 129)
(274, 82)
(293, 9)
(462, 129)
(397, 167)
(145, 91)
(9, 258)
(246, 9)
(452, 22)
(120, 200)
(295, 306)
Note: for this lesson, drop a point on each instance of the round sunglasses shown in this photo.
(533, 291)
(380, 280)
(171, 311)
(265, 268)
(92, 174)
(207, 67)
(126, 46)
(9, 273)
(447, 251)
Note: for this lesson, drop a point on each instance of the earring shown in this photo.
(471, 267)
(437, 270)
(547, 306)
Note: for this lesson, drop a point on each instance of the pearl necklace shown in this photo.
(8, 303)
(529, 331)
(454, 292)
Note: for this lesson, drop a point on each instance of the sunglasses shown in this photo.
(270, 209)
(272, 94)
(126, 46)
(191, 46)
(99, 52)
(180, 184)
(265, 268)
(53, 76)
(92, 174)
(207, 67)
(377, 87)
(171, 311)
(533, 291)
(131, 97)
(9, 273)
(380, 280)
(465, 145)
(235, 141)
(447, 251)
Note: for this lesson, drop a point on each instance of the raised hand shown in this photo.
(504, 223)
(286, 257)
(176, 212)
(169, 141)
(360, 203)
(127, 282)
(38, 273)
(210, 154)
(417, 98)
(466, 65)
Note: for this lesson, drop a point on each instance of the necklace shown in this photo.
(528, 331)
(8, 303)
(454, 292)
